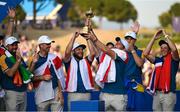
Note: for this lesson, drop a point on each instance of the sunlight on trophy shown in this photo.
(86, 28)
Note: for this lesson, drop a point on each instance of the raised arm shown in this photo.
(11, 14)
(146, 52)
(172, 46)
(101, 46)
(138, 60)
(135, 27)
(95, 50)
(69, 47)
(91, 49)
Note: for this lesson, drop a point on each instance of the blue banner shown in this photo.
(4, 5)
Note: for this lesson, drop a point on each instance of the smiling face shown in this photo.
(129, 39)
(45, 47)
(78, 52)
(119, 45)
(12, 47)
(110, 46)
(164, 49)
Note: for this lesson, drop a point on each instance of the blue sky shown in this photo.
(148, 12)
(28, 7)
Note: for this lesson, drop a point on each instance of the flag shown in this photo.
(26, 75)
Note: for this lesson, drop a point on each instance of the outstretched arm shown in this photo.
(138, 60)
(101, 46)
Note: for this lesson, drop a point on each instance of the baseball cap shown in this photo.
(76, 45)
(163, 42)
(123, 41)
(130, 34)
(10, 40)
(44, 39)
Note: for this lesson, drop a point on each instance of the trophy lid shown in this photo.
(89, 13)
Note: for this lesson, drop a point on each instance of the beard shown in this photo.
(78, 57)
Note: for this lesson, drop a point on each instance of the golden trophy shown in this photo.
(89, 14)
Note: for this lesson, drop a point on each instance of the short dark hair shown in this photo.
(109, 43)
(161, 42)
(2, 36)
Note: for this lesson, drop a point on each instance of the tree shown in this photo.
(165, 19)
(115, 10)
(73, 15)
(61, 1)
(175, 9)
(36, 9)
(119, 10)
(96, 5)
(20, 13)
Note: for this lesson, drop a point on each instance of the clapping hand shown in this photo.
(18, 55)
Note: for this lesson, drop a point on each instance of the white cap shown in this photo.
(10, 40)
(123, 41)
(44, 39)
(130, 34)
(76, 45)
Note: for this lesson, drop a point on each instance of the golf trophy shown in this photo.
(86, 28)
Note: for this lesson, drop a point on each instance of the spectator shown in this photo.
(24, 47)
(57, 51)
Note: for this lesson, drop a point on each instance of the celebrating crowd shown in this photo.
(118, 76)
